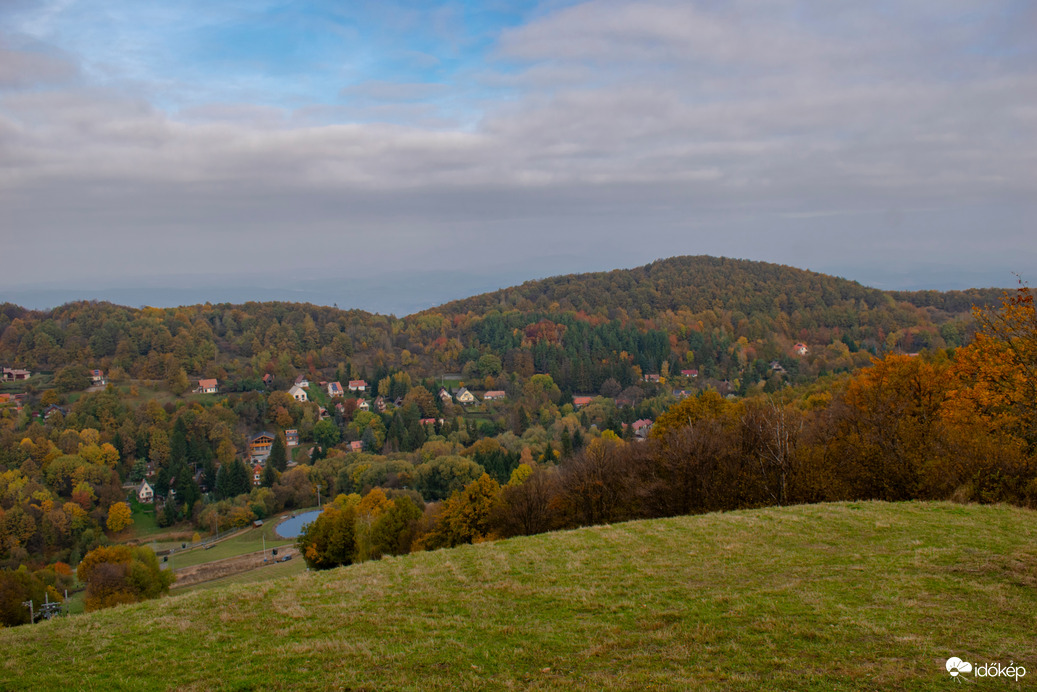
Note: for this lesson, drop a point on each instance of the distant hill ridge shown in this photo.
(730, 319)
(704, 282)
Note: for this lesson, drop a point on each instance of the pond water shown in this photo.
(294, 526)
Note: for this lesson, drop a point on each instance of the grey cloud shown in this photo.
(631, 129)
(26, 63)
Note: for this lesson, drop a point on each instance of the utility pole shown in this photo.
(32, 615)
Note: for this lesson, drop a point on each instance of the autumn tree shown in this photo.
(770, 437)
(119, 517)
(467, 515)
(525, 506)
(998, 371)
(329, 540)
(438, 478)
(120, 574)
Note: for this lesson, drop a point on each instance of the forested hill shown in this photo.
(735, 322)
(730, 319)
(702, 283)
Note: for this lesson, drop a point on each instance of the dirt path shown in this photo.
(196, 574)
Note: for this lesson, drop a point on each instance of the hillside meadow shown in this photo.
(849, 596)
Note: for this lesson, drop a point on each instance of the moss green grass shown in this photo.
(850, 596)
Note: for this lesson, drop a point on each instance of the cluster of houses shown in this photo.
(12, 400)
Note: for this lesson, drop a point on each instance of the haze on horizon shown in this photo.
(202, 145)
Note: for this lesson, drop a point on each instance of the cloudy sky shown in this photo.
(255, 143)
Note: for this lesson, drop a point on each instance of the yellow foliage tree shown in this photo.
(708, 404)
(119, 517)
(997, 373)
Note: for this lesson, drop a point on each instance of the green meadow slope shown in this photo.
(858, 596)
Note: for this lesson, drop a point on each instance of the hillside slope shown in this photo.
(847, 596)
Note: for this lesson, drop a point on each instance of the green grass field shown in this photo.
(247, 542)
(144, 523)
(862, 596)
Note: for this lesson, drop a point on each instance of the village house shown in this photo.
(362, 405)
(298, 393)
(207, 386)
(291, 438)
(13, 374)
(465, 397)
(581, 401)
(52, 410)
(98, 378)
(379, 404)
(257, 475)
(642, 428)
(357, 386)
(356, 446)
(444, 395)
(145, 493)
(301, 381)
(690, 373)
(494, 395)
(260, 445)
(801, 349)
(335, 389)
(652, 378)
(268, 379)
